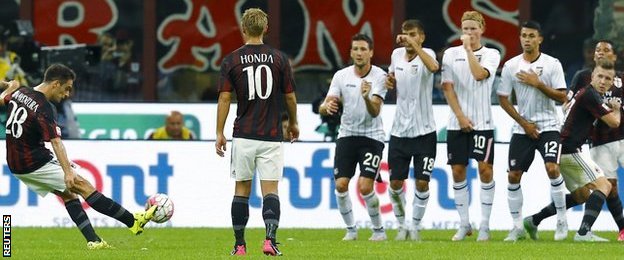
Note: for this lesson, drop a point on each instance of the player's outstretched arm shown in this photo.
(9, 88)
(223, 109)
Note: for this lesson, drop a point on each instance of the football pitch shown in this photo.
(216, 243)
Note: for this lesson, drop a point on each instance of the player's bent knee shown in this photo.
(342, 184)
(396, 184)
(514, 176)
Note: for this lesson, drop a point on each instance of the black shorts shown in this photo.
(402, 150)
(522, 150)
(478, 145)
(357, 150)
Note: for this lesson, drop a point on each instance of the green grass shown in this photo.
(212, 243)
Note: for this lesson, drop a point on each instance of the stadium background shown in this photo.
(178, 46)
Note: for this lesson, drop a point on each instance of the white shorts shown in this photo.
(50, 177)
(250, 155)
(607, 156)
(578, 170)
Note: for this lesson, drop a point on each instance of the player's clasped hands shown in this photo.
(390, 82)
(614, 104)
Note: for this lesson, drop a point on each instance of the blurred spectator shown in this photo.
(174, 129)
(119, 68)
(67, 120)
(9, 62)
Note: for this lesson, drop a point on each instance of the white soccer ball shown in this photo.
(164, 207)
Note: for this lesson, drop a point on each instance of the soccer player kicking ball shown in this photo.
(31, 122)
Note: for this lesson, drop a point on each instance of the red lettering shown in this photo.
(89, 19)
(336, 23)
(206, 27)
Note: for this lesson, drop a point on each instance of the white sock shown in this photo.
(372, 205)
(514, 198)
(419, 205)
(398, 205)
(487, 198)
(461, 201)
(345, 208)
(557, 193)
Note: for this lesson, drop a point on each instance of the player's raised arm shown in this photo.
(9, 88)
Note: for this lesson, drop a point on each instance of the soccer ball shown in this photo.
(164, 207)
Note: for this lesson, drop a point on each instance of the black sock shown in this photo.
(79, 216)
(110, 208)
(592, 209)
(240, 216)
(551, 211)
(615, 206)
(271, 215)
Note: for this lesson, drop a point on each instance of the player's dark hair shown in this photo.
(532, 25)
(605, 64)
(605, 41)
(363, 37)
(411, 24)
(58, 72)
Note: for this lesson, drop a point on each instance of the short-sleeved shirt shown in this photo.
(414, 86)
(31, 122)
(585, 108)
(261, 76)
(602, 133)
(474, 97)
(355, 120)
(533, 104)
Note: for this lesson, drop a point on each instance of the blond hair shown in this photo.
(474, 16)
(254, 22)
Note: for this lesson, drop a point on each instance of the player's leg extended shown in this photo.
(110, 208)
(79, 216)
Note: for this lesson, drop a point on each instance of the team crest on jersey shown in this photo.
(539, 70)
(512, 162)
(414, 69)
(478, 58)
(335, 171)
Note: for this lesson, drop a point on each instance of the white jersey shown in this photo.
(533, 105)
(414, 85)
(474, 97)
(355, 120)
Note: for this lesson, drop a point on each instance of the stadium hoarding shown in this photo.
(198, 182)
(137, 120)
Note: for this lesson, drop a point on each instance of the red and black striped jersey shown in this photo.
(585, 108)
(602, 133)
(260, 75)
(31, 122)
